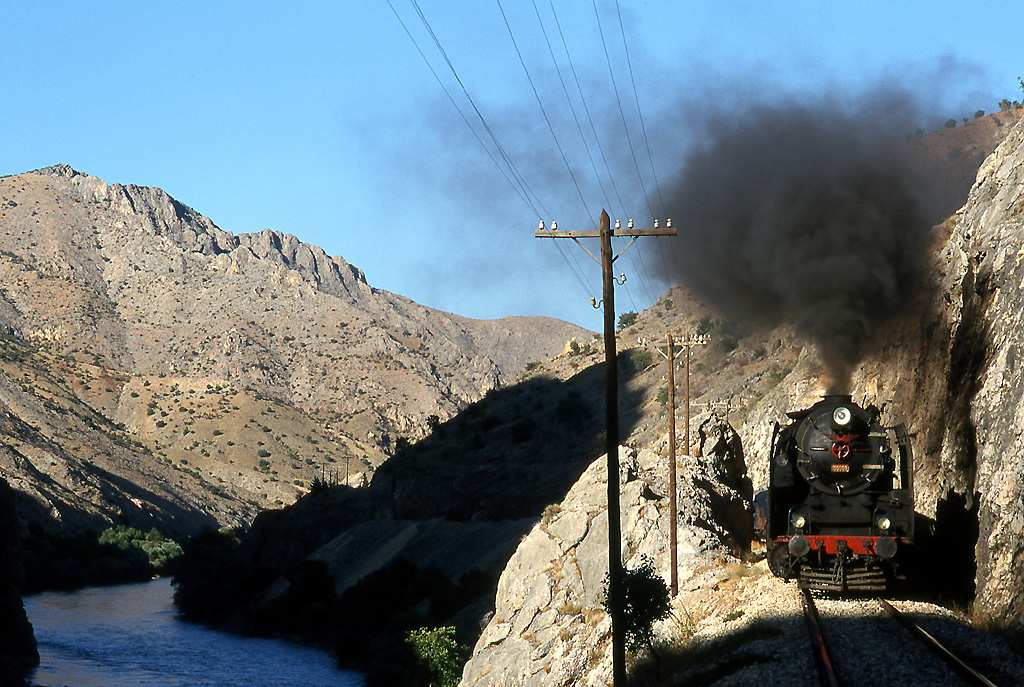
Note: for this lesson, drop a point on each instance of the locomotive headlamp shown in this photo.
(842, 416)
(799, 521)
(884, 523)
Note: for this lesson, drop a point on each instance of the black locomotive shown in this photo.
(840, 501)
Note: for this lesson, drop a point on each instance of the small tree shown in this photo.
(438, 655)
(950, 123)
(979, 113)
(663, 396)
(627, 319)
(646, 600)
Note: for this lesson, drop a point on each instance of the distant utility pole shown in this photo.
(616, 575)
(670, 355)
(688, 343)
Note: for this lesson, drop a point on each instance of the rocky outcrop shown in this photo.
(985, 274)
(549, 627)
(17, 643)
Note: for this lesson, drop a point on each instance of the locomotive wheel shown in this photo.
(779, 562)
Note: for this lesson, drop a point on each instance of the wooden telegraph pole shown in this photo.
(615, 571)
(670, 355)
(688, 343)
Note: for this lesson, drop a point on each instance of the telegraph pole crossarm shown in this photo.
(616, 575)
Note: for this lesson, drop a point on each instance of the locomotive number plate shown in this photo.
(840, 467)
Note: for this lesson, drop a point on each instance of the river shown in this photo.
(131, 636)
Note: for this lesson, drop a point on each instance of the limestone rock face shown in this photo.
(549, 626)
(986, 272)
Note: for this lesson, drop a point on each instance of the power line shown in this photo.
(622, 113)
(519, 186)
(572, 108)
(639, 112)
(647, 143)
(501, 149)
(518, 190)
(540, 104)
(590, 118)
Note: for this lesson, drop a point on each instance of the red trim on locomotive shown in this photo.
(861, 545)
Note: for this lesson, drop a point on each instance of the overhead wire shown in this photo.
(629, 140)
(543, 111)
(639, 111)
(551, 129)
(586, 108)
(593, 127)
(643, 128)
(510, 171)
(572, 108)
(501, 149)
(520, 186)
(518, 189)
(622, 112)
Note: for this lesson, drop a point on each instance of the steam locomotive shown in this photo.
(839, 508)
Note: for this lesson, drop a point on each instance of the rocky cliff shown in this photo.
(981, 453)
(158, 371)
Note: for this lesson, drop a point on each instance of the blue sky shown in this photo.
(324, 121)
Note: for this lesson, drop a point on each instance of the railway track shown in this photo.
(872, 649)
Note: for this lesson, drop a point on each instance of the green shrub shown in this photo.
(663, 396)
(158, 548)
(627, 319)
(638, 359)
(438, 655)
(646, 600)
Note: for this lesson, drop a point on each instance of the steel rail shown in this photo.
(822, 658)
(959, 667)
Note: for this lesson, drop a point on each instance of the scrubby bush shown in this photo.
(627, 319)
(663, 396)
(438, 655)
(637, 359)
(646, 600)
(159, 549)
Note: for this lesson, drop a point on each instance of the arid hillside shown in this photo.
(158, 370)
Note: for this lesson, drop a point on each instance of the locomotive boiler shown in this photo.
(839, 508)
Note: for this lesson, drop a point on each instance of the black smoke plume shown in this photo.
(807, 215)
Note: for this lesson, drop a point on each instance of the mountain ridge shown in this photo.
(208, 349)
